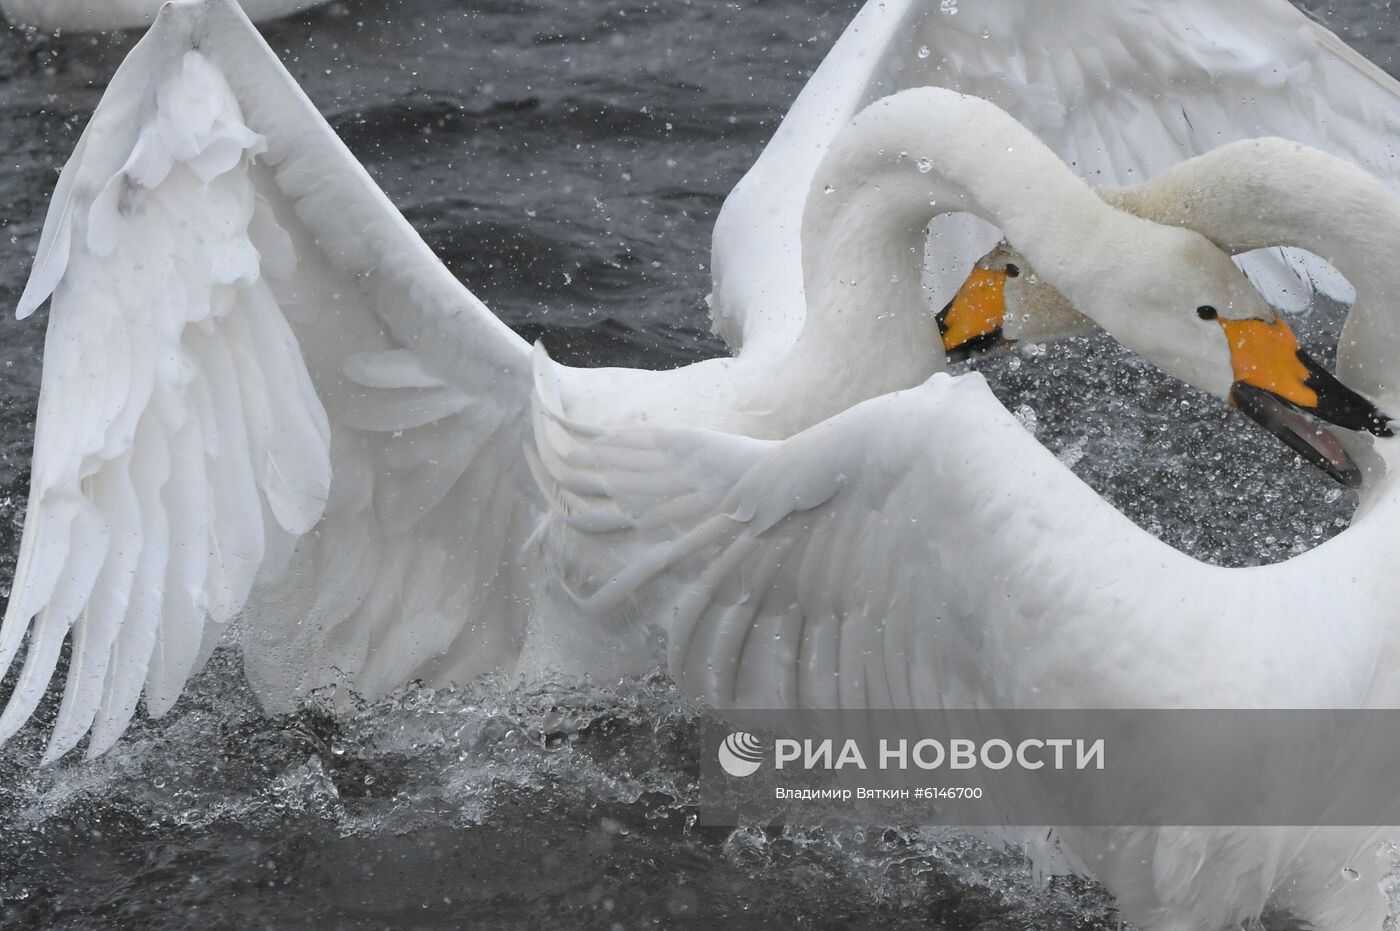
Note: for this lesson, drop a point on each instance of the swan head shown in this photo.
(1189, 311)
(1004, 302)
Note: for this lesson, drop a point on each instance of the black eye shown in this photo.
(1012, 271)
(1207, 312)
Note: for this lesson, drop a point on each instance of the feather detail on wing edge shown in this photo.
(197, 388)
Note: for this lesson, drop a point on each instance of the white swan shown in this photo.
(1120, 91)
(101, 15)
(280, 403)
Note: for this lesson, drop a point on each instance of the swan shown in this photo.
(279, 404)
(780, 566)
(102, 15)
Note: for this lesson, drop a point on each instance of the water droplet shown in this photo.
(158, 782)
(924, 51)
(1026, 414)
(828, 190)
(1072, 454)
(924, 166)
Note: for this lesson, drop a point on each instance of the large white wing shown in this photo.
(261, 391)
(919, 550)
(1119, 90)
(819, 571)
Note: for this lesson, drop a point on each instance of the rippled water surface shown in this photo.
(567, 160)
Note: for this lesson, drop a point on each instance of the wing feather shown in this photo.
(76, 579)
(262, 396)
(96, 629)
(920, 550)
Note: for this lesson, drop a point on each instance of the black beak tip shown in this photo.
(1339, 405)
(989, 342)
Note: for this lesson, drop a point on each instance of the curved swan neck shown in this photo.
(904, 160)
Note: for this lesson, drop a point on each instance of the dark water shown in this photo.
(567, 160)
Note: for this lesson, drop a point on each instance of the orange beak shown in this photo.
(1267, 356)
(1289, 394)
(971, 324)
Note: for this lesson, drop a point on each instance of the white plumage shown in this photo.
(263, 395)
(1119, 90)
(240, 350)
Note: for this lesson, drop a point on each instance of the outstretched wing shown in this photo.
(830, 570)
(919, 550)
(262, 393)
(1119, 90)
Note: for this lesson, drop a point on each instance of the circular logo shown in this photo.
(741, 754)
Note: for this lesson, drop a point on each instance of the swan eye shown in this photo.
(1013, 271)
(1207, 312)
